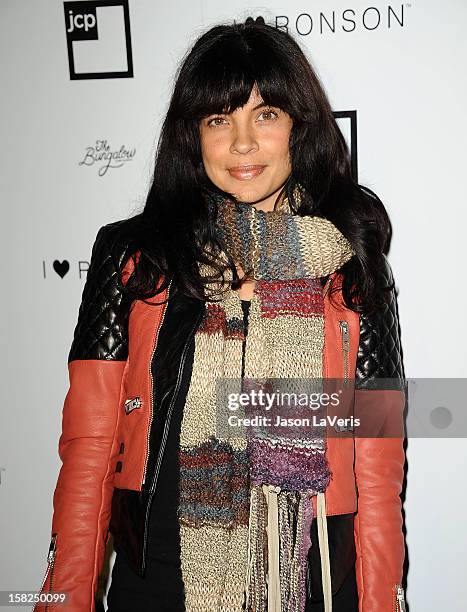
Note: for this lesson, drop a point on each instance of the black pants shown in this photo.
(345, 600)
(159, 590)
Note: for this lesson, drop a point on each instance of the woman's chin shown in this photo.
(250, 196)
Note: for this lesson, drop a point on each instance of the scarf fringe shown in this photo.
(256, 586)
(278, 545)
(324, 552)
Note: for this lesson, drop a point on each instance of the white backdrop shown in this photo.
(400, 66)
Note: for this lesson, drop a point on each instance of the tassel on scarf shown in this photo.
(279, 541)
(324, 552)
(256, 586)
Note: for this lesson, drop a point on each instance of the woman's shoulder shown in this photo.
(387, 276)
(380, 350)
(101, 329)
(115, 242)
(120, 232)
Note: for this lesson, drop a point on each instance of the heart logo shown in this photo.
(61, 267)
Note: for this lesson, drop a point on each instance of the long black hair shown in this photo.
(217, 75)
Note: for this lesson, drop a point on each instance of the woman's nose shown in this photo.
(243, 141)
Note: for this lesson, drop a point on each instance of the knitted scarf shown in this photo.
(245, 501)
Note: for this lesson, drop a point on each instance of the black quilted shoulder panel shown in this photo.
(102, 328)
(380, 352)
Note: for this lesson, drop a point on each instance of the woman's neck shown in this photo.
(269, 203)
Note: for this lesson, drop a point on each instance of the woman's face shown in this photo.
(255, 135)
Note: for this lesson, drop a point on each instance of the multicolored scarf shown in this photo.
(245, 501)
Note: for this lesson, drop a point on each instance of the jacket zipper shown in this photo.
(344, 327)
(50, 567)
(345, 344)
(165, 434)
(131, 404)
(151, 416)
(399, 599)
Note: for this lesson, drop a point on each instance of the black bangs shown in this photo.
(226, 68)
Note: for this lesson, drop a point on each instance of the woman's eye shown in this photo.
(215, 119)
(269, 112)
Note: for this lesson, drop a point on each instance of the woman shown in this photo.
(257, 255)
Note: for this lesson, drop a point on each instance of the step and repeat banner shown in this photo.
(84, 89)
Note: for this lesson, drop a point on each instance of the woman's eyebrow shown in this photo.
(260, 105)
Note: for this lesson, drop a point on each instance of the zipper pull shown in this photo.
(52, 549)
(345, 335)
(132, 403)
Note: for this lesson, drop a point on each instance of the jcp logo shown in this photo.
(80, 21)
(107, 24)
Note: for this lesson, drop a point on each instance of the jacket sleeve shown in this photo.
(379, 459)
(82, 497)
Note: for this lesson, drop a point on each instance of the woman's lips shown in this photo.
(245, 173)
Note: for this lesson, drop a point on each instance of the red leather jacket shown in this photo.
(111, 444)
